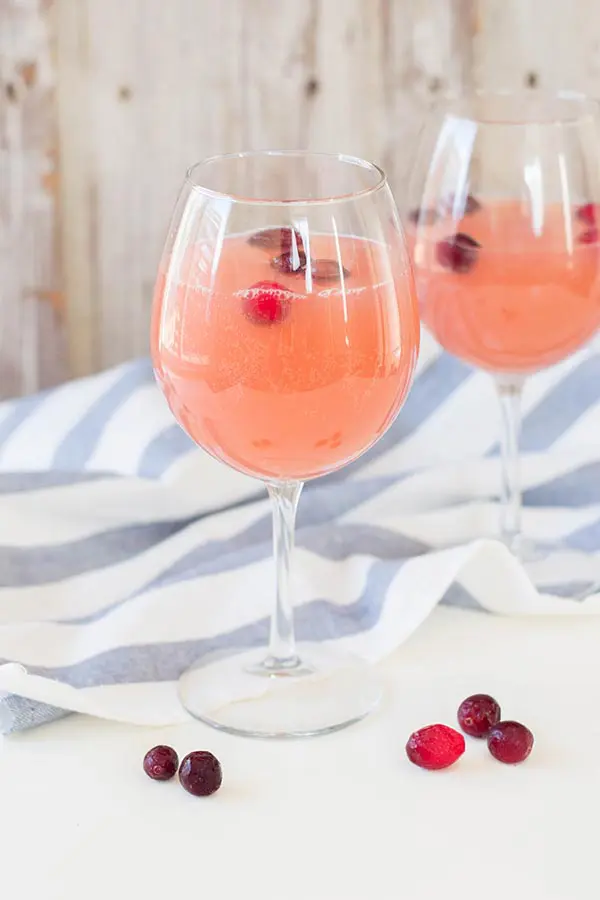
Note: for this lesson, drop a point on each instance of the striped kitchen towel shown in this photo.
(126, 554)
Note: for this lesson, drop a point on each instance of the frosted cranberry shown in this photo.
(587, 213)
(161, 763)
(327, 270)
(589, 237)
(266, 303)
(200, 773)
(435, 747)
(458, 252)
(275, 239)
(510, 742)
(477, 714)
(290, 263)
(423, 216)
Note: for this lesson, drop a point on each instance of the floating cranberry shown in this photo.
(275, 239)
(435, 747)
(266, 303)
(510, 742)
(586, 213)
(161, 763)
(292, 262)
(200, 773)
(589, 237)
(458, 252)
(477, 714)
(328, 270)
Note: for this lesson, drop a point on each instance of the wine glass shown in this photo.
(285, 334)
(503, 223)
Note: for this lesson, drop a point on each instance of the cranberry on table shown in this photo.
(161, 762)
(510, 742)
(200, 773)
(435, 747)
(477, 714)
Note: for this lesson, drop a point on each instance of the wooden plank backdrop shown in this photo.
(104, 103)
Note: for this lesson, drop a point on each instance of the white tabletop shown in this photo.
(344, 816)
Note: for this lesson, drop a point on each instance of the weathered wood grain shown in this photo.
(31, 303)
(157, 86)
(547, 44)
(146, 87)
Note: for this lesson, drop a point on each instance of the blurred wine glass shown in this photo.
(503, 226)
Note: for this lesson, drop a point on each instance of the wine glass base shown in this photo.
(325, 691)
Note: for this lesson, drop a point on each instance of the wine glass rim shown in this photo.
(356, 161)
(576, 105)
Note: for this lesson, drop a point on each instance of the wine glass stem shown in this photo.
(509, 394)
(282, 644)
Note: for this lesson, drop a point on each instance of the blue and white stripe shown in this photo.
(126, 554)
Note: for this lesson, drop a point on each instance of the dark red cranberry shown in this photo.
(510, 742)
(587, 213)
(423, 216)
(273, 239)
(290, 263)
(161, 763)
(200, 773)
(458, 252)
(435, 747)
(589, 237)
(266, 303)
(327, 270)
(477, 714)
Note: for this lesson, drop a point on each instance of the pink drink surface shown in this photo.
(295, 398)
(525, 303)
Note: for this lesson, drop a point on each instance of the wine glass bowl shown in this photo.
(284, 335)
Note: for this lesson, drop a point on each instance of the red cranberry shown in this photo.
(275, 239)
(290, 262)
(161, 763)
(423, 216)
(200, 773)
(327, 270)
(266, 303)
(589, 237)
(458, 252)
(510, 742)
(435, 747)
(587, 213)
(477, 714)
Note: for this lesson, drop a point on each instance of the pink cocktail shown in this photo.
(518, 302)
(302, 388)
